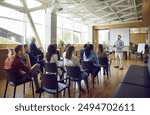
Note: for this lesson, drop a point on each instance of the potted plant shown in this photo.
(61, 43)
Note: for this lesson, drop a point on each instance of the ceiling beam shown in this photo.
(32, 23)
(107, 15)
(135, 8)
(91, 12)
(36, 8)
(129, 19)
(18, 8)
(125, 9)
(127, 15)
(113, 19)
(119, 1)
(122, 6)
(108, 5)
(114, 12)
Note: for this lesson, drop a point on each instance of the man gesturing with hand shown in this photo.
(119, 44)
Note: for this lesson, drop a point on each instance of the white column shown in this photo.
(50, 28)
(53, 28)
(90, 32)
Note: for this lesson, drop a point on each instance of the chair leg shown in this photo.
(79, 85)
(93, 81)
(64, 93)
(69, 91)
(40, 95)
(14, 92)
(6, 89)
(74, 86)
(24, 89)
(97, 79)
(57, 94)
(32, 89)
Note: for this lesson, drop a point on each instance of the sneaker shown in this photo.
(39, 90)
(121, 68)
(116, 66)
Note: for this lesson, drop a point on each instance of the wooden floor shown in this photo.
(104, 88)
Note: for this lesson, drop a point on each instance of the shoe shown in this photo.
(39, 90)
(116, 66)
(121, 68)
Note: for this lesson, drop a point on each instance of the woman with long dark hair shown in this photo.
(52, 57)
(71, 60)
(103, 60)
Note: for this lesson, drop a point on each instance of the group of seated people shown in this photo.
(30, 61)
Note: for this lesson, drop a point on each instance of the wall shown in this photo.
(5, 46)
(139, 38)
(3, 56)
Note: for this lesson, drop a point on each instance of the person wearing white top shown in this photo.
(71, 60)
(52, 57)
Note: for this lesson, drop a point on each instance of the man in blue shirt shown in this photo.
(119, 44)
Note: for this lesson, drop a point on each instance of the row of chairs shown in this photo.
(49, 82)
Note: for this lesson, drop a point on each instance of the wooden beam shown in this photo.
(136, 24)
(146, 10)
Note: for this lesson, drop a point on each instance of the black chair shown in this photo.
(12, 79)
(103, 62)
(51, 68)
(88, 67)
(50, 84)
(74, 74)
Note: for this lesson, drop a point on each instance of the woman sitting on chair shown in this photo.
(71, 60)
(103, 60)
(52, 57)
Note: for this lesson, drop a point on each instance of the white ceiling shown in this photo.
(95, 12)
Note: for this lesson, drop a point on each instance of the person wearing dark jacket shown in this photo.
(33, 59)
(15, 63)
(35, 51)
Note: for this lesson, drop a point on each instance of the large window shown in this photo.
(12, 26)
(71, 32)
(67, 36)
(77, 37)
(15, 26)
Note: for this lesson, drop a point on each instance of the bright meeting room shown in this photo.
(74, 48)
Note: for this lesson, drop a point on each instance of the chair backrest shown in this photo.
(103, 61)
(51, 68)
(73, 72)
(49, 81)
(11, 75)
(88, 66)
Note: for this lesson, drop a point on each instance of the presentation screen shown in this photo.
(124, 32)
(141, 48)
